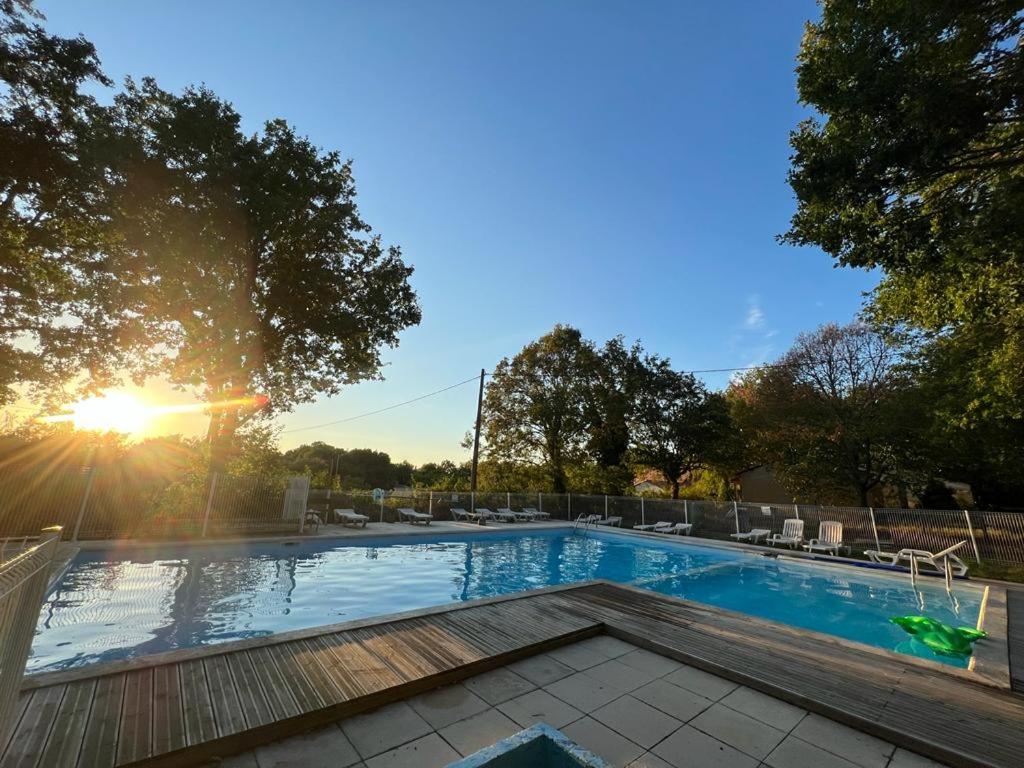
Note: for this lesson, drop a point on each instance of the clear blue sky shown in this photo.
(617, 166)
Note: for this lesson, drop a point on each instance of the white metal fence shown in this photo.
(24, 574)
(105, 504)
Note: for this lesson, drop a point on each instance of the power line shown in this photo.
(385, 408)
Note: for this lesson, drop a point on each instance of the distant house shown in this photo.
(651, 482)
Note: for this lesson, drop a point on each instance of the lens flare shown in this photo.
(113, 412)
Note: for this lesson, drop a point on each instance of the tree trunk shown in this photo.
(863, 493)
(675, 489)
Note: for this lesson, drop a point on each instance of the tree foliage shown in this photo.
(154, 237)
(679, 425)
(535, 407)
(834, 418)
(916, 166)
(63, 310)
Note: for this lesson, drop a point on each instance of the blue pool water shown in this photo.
(121, 603)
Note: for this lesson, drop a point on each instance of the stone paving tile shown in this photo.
(614, 749)
(431, 751)
(638, 722)
(244, 760)
(797, 753)
(767, 709)
(746, 734)
(689, 748)
(499, 685)
(621, 676)
(653, 663)
(540, 707)
(707, 685)
(678, 702)
(583, 692)
(541, 670)
(479, 731)
(384, 729)
(606, 645)
(576, 657)
(650, 760)
(904, 759)
(324, 748)
(447, 705)
(859, 748)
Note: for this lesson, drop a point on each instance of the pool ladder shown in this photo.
(947, 573)
(587, 521)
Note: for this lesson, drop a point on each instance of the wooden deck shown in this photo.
(184, 707)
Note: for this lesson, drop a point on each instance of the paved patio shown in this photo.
(628, 705)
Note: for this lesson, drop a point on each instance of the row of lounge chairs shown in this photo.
(830, 541)
(504, 514)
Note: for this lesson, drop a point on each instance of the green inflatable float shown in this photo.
(941, 638)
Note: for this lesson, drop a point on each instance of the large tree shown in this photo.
(833, 418)
(915, 164)
(679, 426)
(251, 255)
(610, 402)
(535, 409)
(65, 312)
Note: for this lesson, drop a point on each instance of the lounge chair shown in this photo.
(505, 516)
(661, 525)
(471, 517)
(537, 514)
(792, 533)
(613, 520)
(412, 516)
(350, 517)
(753, 536)
(679, 529)
(524, 517)
(830, 538)
(936, 560)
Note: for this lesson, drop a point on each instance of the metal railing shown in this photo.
(24, 575)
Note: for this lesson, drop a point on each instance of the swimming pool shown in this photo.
(120, 603)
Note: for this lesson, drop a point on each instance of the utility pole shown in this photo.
(476, 433)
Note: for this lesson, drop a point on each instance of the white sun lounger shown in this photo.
(613, 520)
(830, 538)
(519, 516)
(661, 525)
(506, 516)
(351, 517)
(936, 560)
(753, 536)
(412, 516)
(458, 513)
(792, 533)
(537, 514)
(679, 529)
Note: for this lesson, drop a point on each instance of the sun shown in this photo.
(113, 412)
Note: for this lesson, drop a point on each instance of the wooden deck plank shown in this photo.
(1015, 636)
(168, 710)
(134, 739)
(200, 724)
(253, 699)
(279, 696)
(29, 739)
(227, 708)
(12, 725)
(362, 670)
(314, 660)
(306, 696)
(99, 744)
(65, 738)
